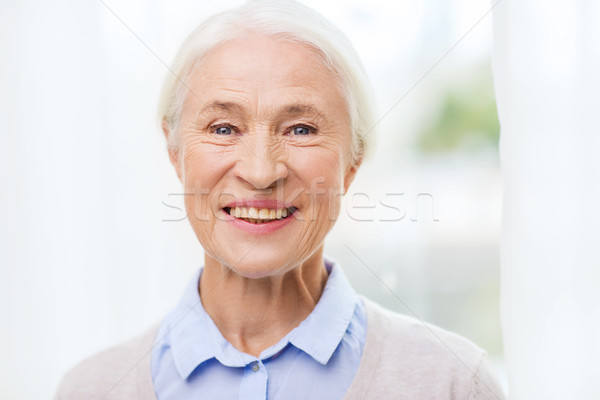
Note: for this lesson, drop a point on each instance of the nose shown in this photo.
(261, 161)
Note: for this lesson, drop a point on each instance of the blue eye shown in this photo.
(222, 130)
(301, 130)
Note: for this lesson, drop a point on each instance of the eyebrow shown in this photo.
(301, 109)
(221, 106)
(291, 110)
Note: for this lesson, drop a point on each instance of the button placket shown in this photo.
(254, 383)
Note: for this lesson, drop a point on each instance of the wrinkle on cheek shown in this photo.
(313, 232)
(306, 238)
(199, 159)
(280, 150)
(205, 166)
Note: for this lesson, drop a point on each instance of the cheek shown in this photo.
(204, 164)
(321, 172)
(318, 166)
(204, 167)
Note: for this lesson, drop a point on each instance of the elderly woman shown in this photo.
(266, 116)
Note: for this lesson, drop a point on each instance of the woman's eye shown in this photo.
(223, 130)
(301, 130)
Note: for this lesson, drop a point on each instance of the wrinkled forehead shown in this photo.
(265, 70)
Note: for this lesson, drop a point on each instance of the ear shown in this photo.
(350, 174)
(173, 153)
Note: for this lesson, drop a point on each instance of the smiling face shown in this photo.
(264, 133)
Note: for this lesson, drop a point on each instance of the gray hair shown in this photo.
(289, 20)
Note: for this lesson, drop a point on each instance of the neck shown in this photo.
(254, 314)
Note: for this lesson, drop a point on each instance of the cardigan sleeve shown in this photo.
(120, 372)
(485, 386)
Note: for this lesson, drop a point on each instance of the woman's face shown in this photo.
(265, 131)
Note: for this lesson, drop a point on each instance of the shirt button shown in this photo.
(254, 366)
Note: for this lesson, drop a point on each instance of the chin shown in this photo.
(259, 261)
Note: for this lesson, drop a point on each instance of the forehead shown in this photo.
(257, 70)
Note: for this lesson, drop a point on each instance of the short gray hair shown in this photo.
(289, 20)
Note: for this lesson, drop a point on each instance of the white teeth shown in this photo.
(263, 213)
(258, 216)
(252, 212)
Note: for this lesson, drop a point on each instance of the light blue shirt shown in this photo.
(316, 360)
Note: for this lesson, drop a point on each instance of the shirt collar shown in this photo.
(322, 331)
(195, 338)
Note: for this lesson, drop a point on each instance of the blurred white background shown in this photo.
(89, 254)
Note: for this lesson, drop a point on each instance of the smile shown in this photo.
(255, 215)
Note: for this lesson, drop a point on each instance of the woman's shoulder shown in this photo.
(422, 356)
(119, 372)
(418, 333)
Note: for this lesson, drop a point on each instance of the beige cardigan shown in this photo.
(402, 359)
